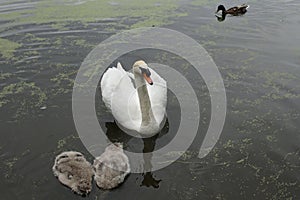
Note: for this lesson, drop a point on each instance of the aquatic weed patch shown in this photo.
(8, 48)
(22, 98)
(154, 11)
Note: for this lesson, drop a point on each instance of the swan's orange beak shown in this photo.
(148, 79)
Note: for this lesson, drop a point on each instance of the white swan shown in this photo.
(135, 104)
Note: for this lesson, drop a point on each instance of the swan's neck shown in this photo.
(145, 104)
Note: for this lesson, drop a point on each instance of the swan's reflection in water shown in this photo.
(149, 145)
(115, 134)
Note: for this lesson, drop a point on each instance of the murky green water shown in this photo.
(42, 45)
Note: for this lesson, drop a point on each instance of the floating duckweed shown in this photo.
(9, 174)
(59, 13)
(203, 2)
(63, 142)
(4, 76)
(277, 82)
(23, 97)
(34, 38)
(82, 43)
(64, 83)
(271, 138)
(8, 48)
(267, 172)
(11, 162)
(228, 144)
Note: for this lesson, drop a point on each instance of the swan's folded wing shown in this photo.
(120, 96)
(125, 105)
(109, 82)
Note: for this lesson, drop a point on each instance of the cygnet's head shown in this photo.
(115, 147)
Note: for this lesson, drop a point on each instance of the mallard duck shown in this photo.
(74, 171)
(237, 10)
(111, 167)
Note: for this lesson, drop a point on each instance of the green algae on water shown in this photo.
(4, 76)
(22, 98)
(7, 48)
(59, 13)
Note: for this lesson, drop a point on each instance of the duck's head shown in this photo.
(142, 68)
(221, 7)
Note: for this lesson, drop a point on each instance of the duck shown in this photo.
(136, 100)
(111, 167)
(74, 171)
(237, 10)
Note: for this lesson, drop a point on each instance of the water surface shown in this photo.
(42, 45)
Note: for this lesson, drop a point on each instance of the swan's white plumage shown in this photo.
(121, 97)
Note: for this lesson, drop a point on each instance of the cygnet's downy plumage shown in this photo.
(111, 167)
(74, 171)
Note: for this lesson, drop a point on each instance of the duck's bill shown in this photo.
(148, 79)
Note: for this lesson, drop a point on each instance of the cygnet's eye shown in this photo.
(70, 176)
(100, 166)
(61, 157)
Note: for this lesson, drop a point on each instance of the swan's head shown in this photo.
(142, 68)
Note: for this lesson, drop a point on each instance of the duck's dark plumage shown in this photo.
(237, 10)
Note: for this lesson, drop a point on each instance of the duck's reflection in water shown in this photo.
(115, 134)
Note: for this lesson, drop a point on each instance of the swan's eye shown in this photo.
(145, 71)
